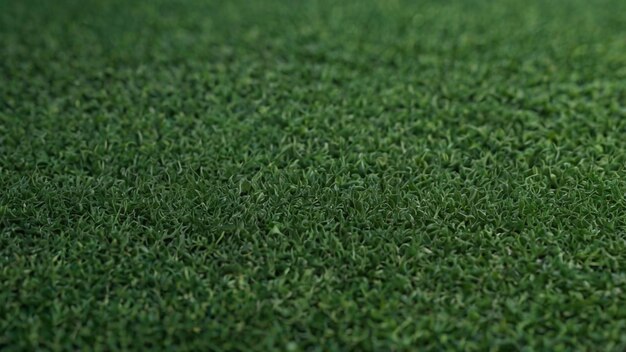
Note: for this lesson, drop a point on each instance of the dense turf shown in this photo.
(313, 175)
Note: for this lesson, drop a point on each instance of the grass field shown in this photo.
(313, 175)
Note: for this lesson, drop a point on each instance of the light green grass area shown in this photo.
(312, 175)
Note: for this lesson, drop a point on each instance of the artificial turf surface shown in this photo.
(312, 175)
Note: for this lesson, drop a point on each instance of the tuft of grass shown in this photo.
(312, 175)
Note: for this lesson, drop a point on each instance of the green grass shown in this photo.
(313, 175)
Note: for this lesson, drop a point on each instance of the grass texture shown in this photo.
(313, 175)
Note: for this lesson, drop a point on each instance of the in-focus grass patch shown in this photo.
(312, 175)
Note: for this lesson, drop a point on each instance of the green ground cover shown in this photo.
(312, 175)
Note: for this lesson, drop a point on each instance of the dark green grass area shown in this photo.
(312, 175)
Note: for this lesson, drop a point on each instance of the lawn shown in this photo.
(312, 175)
